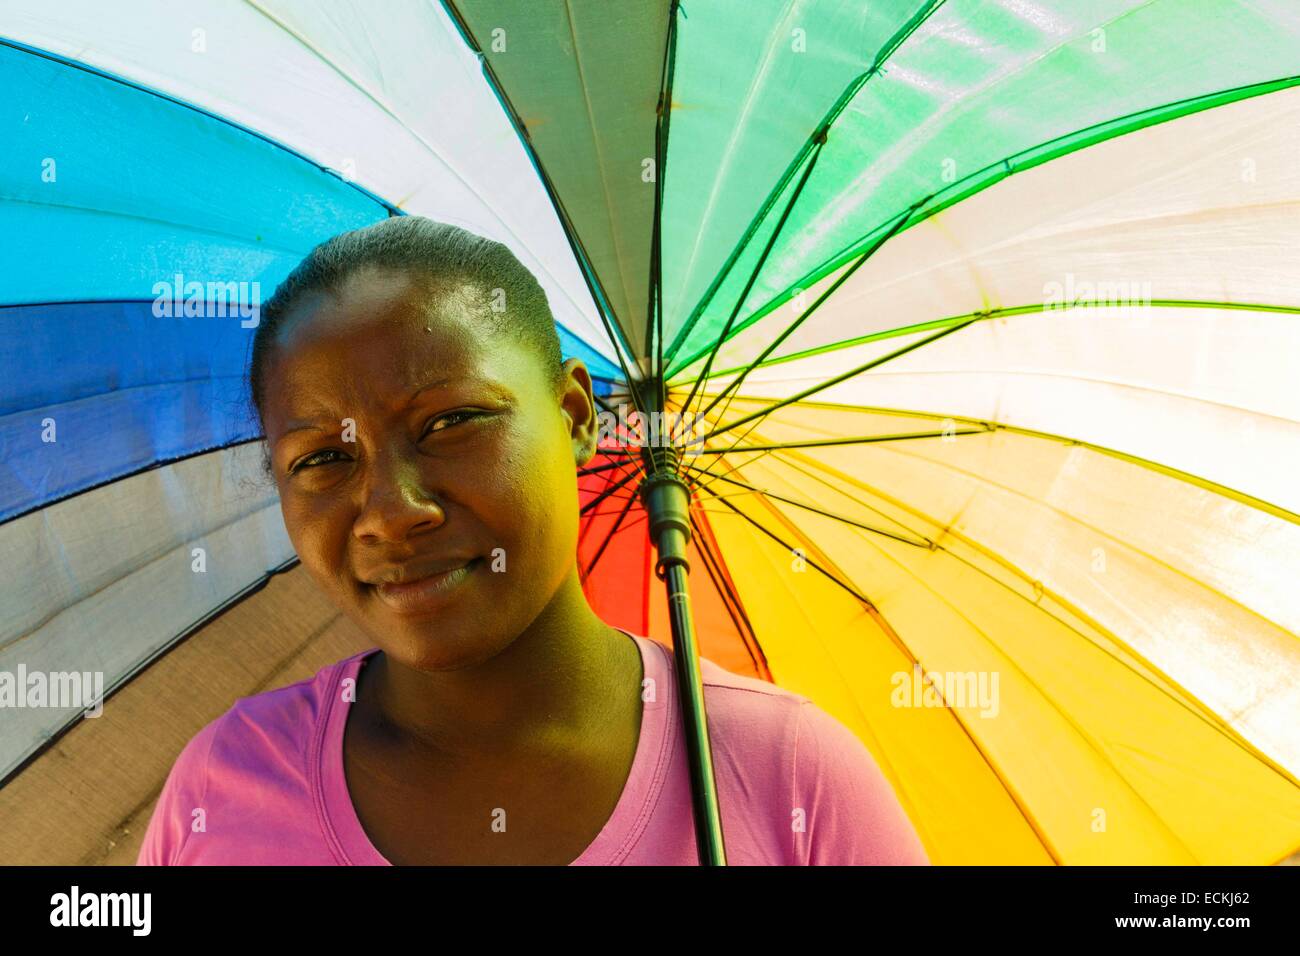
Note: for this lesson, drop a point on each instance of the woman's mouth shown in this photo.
(425, 594)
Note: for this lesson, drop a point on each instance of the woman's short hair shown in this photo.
(513, 300)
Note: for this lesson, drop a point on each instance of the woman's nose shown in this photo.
(396, 503)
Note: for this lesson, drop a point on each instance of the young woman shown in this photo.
(425, 443)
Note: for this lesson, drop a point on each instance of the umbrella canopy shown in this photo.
(988, 311)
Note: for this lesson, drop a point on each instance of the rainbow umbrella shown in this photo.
(961, 337)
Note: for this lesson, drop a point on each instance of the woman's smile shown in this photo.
(425, 594)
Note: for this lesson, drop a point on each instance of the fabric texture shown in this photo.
(264, 783)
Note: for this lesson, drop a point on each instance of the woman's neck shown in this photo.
(565, 676)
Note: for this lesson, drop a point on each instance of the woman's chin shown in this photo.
(437, 647)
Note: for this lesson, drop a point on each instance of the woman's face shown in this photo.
(400, 452)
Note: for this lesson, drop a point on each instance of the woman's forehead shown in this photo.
(377, 341)
(370, 296)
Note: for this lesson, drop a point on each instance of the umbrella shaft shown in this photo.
(667, 503)
(704, 791)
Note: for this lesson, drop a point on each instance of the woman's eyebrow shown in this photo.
(487, 383)
(304, 424)
(301, 426)
(424, 388)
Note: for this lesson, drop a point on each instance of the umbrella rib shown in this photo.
(925, 543)
(1184, 698)
(726, 593)
(614, 497)
(758, 416)
(627, 506)
(824, 442)
(624, 435)
(775, 537)
(998, 313)
(601, 171)
(1024, 810)
(714, 567)
(1087, 738)
(607, 514)
(763, 450)
(1034, 155)
(720, 457)
(845, 376)
(608, 489)
(1099, 532)
(594, 469)
(608, 492)
(663, 118)
(1258, 504)
(898, 642)
(602, 514)
(819, 133)
(754, 273)
(793, 463)
(580, 254)
(799, 320)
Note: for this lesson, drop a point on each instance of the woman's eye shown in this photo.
(452, 418)
(318, 458)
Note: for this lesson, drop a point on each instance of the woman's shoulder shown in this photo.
(254, 756)
(722, 683)
(805, 761)
(740, 709)
(273, 724)
(303, 699)
(752, 722)
(749, 701)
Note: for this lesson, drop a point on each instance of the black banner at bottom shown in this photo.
(1229, 905)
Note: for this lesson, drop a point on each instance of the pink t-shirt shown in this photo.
(264, 785)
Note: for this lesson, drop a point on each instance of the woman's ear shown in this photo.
(579, 408)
